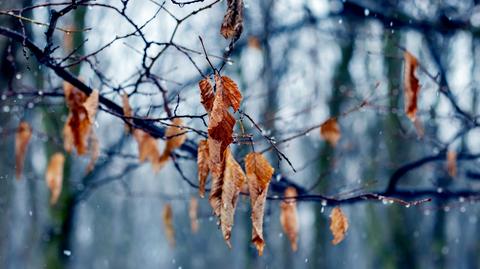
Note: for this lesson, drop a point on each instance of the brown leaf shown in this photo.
(233, 179)
(127, 112)
(168, 224)
(220, 134)
(411, 85)
(338, 225)
(203, 166)
(94, 152)
(175, 136)
(452, 163)
(22, 137)
(254, 42)
(54, 176)
(206, 94)
(259, 173)
(193, 214)
(147, 148)
(81, 117)
(232, 24)
(289, 217)
(330, 131)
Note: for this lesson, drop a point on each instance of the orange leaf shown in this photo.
(254, 42)
(233, 179)
(147, 148)
(232, 24)
(206, 94)
(338, 225)
(203, 167)
(452, 163)
(168, 224)
(94, 151)
(176, 136)
(259, 173)
(411, 85)
(193, 214)
(289, 217)
(22, 137)
(54, 176)
(82, 115)
(330, 131)
(127, 112)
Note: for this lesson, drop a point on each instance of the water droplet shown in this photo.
(439, 189)
(30, 213)
(67, 252)
(324, 202)
(6, 109)
(366, 12)
(340, 21)
(18, 76)
(306, 260)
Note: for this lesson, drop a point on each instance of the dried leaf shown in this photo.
(411, 85)
(147, 148)
(220, 134)
(22, 137)
(259, 173)
(232, 24)
(94, 152)
(54, 176)
(338, 225)
(168, 224)
(81, 117)
(193, 214)
(206, 94)
(176, 136)
(330, 131)
(254, 42)
(127, 112)
(233, 179)
(452, 163)
(203, 166)
(289, 217)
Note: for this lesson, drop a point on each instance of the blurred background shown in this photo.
(297, 63)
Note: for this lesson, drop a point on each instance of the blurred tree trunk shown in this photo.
(341, 81)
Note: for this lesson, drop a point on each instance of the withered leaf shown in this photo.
(206, 94)
(175, 136)
(452, 163)
(127, 112)
(338, 225)
(81, 117)
(22, 137)
(193, 214)
(289, 217)
(94, 151)
(259, 172)
(168, 224)
(411, 85)
(217, 164)
(147, 148)
(233, 179)
(54, 176)
(232, 24)
(330, 131)
(203, 166)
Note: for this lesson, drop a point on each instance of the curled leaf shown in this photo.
(127, 112)
(193, 214)
(289, 217)
(338, 225)
(232, 24)
(411, 85)
(54, 176)
(330, 131)
(206, 94)
(175, 136)
(452, 163)
(22, 137)
(94, 152)
(203, 166)
(168, 224)
(147, 148)
(81, 117)
(233, 179)
(259, 172)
